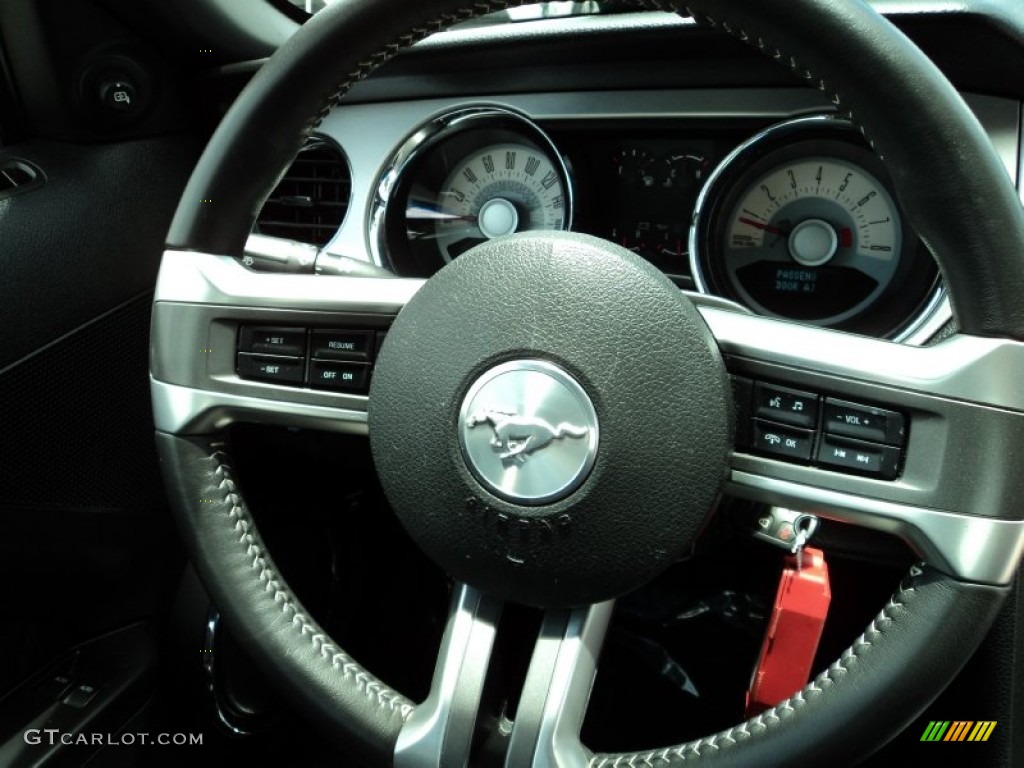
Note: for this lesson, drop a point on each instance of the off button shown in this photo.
(343, 377)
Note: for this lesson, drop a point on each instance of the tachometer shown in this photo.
(818, 239)
(800, 223)
(469, 177)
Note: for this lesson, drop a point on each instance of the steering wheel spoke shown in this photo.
(440, 730)
(203, 301)
(949, 399)
(552, 704)
(554, 698)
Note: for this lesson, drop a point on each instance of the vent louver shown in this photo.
(311, 201)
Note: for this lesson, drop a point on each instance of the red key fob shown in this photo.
(794, 631)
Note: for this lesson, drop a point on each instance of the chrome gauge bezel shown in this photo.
(929, 314)
(391, 185)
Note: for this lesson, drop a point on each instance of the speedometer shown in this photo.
(495, 191)
(468, 177)
(800, 223)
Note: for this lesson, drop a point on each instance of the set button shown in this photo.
(279, 370)
(289, 342)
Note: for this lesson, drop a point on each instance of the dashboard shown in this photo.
(761, 196)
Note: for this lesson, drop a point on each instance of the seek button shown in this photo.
(882, 461)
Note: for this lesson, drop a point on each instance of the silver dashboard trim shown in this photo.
(983, 550)
(372, 133)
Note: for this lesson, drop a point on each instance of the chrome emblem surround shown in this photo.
(528, 432)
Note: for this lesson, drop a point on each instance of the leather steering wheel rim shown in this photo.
(900, 663)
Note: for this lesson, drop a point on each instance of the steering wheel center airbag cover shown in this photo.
(578, 311)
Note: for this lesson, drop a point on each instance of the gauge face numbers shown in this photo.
(496, 191)
(816, 239)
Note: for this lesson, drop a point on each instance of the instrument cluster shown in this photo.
(798, 221)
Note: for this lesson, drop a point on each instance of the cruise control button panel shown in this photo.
(814, 428)
(336, 359)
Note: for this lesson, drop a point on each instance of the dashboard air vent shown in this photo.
(310, 202)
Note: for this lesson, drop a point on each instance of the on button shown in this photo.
(344, 377)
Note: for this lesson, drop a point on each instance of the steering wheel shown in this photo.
(568, 516)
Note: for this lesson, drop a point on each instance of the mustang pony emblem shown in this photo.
(516, 437)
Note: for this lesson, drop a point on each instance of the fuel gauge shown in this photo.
(634, 168)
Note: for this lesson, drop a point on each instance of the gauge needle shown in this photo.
(449, 232)
(766, 227)
(433, 214)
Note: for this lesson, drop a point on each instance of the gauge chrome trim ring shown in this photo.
(936, 310)
(429, 135)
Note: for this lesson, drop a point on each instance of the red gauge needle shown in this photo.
(766, 227)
